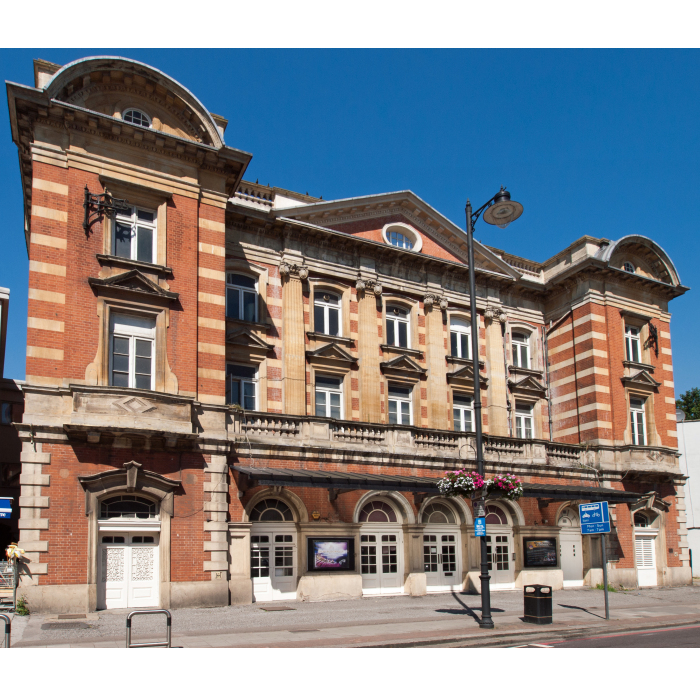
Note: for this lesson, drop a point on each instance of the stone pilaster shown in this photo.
(293, 344)
(216, 509)
(368, 351)
(31, 501)
(496, 372)
(437, 377)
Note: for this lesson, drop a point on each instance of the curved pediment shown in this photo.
(647, 258)
(112, 85)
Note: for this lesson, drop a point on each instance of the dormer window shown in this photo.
(628, 267)
(137, 118)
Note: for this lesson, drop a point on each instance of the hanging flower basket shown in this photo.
(472, 485)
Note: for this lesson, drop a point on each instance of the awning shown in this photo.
(353, 481)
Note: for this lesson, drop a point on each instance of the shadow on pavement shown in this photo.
(467, 609)
(576, 607)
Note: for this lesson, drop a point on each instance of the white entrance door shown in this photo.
(645, 556)
(381, 562)
(441, 560)
(571, 555)
(273, 555)
(499, 546)
(128, 570)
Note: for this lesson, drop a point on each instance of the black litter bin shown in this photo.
(538, 605)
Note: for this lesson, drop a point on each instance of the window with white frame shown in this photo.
(627, 266)
(132, 352)
(399, 239)
(329, 397)
(397, 326)
(400, 408)
(632, 346)
(137, 117)
(241, 297)
(135, 234)
(638, 421)
(463, 413)
(460, 339)
(327, 313)
(521, 350)
(241, 383)
(523, 420)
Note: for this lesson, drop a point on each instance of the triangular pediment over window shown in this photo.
(248, 339)
(331, 353)
(403, 364)
(132, 282)
(641, 380)
(465, 377)
(528, 385)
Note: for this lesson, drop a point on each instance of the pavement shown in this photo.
(446, 619)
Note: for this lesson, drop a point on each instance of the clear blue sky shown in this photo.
(597, 142)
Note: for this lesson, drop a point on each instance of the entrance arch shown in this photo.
(273, 549)
(570, 546)
(441, 546)
(499, 545)
(381, 547)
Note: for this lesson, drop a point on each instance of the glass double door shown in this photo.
(273, 555)
(381, 562)
(441, 560)
(499, 547)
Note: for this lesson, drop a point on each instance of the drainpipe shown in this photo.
(509, 404)
(549, 391)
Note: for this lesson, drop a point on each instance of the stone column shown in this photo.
(496, 372)
(437, 374)
(293, 358)
(368, 352)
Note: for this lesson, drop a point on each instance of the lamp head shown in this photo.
(503, 211)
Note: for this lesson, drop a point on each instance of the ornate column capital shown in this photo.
(493, 313)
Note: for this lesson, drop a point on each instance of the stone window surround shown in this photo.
(629, 318)
(531, 331)
(344, 374)
(413, 312)
(320, 284)
(408, 231)
(652, 436)
(261, 275)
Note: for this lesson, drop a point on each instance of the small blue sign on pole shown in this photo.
(480, 527)
(594, 517)
(5, 507)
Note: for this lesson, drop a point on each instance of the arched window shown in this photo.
(327, 313)
(241, 297)
(377, 512)
(137, 117)
(397, 322)
(402, 236)
(627, 266)
(438, 513)
(460, 339)
(495, 516)
(641, 520)
(399, 239)
(568, 518)
(127, 508)
(271, 510)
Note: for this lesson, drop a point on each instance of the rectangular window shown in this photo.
(400, 409)
(523, 421)
(329, 397)
(327, 313)
(463, 413)
(521, 350)
(632, 344)
(135, 234)
(132, 354)
(638, 421)
(241, 297)
(397, 326)
(460, 339)
(240, 386)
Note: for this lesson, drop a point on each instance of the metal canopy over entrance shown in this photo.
(338, 482)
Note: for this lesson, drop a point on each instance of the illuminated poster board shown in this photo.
(540, 552)
(331, 553)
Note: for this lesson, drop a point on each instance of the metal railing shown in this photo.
(8, 629)
(169, 628)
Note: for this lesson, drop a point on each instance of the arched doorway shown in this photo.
(128, 552)
(441, 547)
(570, 547)
(499, 546)
(381, 549)
(273, 551)
(646, 530)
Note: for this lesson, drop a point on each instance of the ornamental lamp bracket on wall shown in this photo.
(100, 205)
(653, 341)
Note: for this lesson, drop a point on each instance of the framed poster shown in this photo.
(331, 553)
(540, 552)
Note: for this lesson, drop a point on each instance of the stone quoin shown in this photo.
(221, 374)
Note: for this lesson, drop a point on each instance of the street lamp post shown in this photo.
(499, 211)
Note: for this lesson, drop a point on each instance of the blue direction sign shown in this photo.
(5, 507)
(480, 527)
(594, 518)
